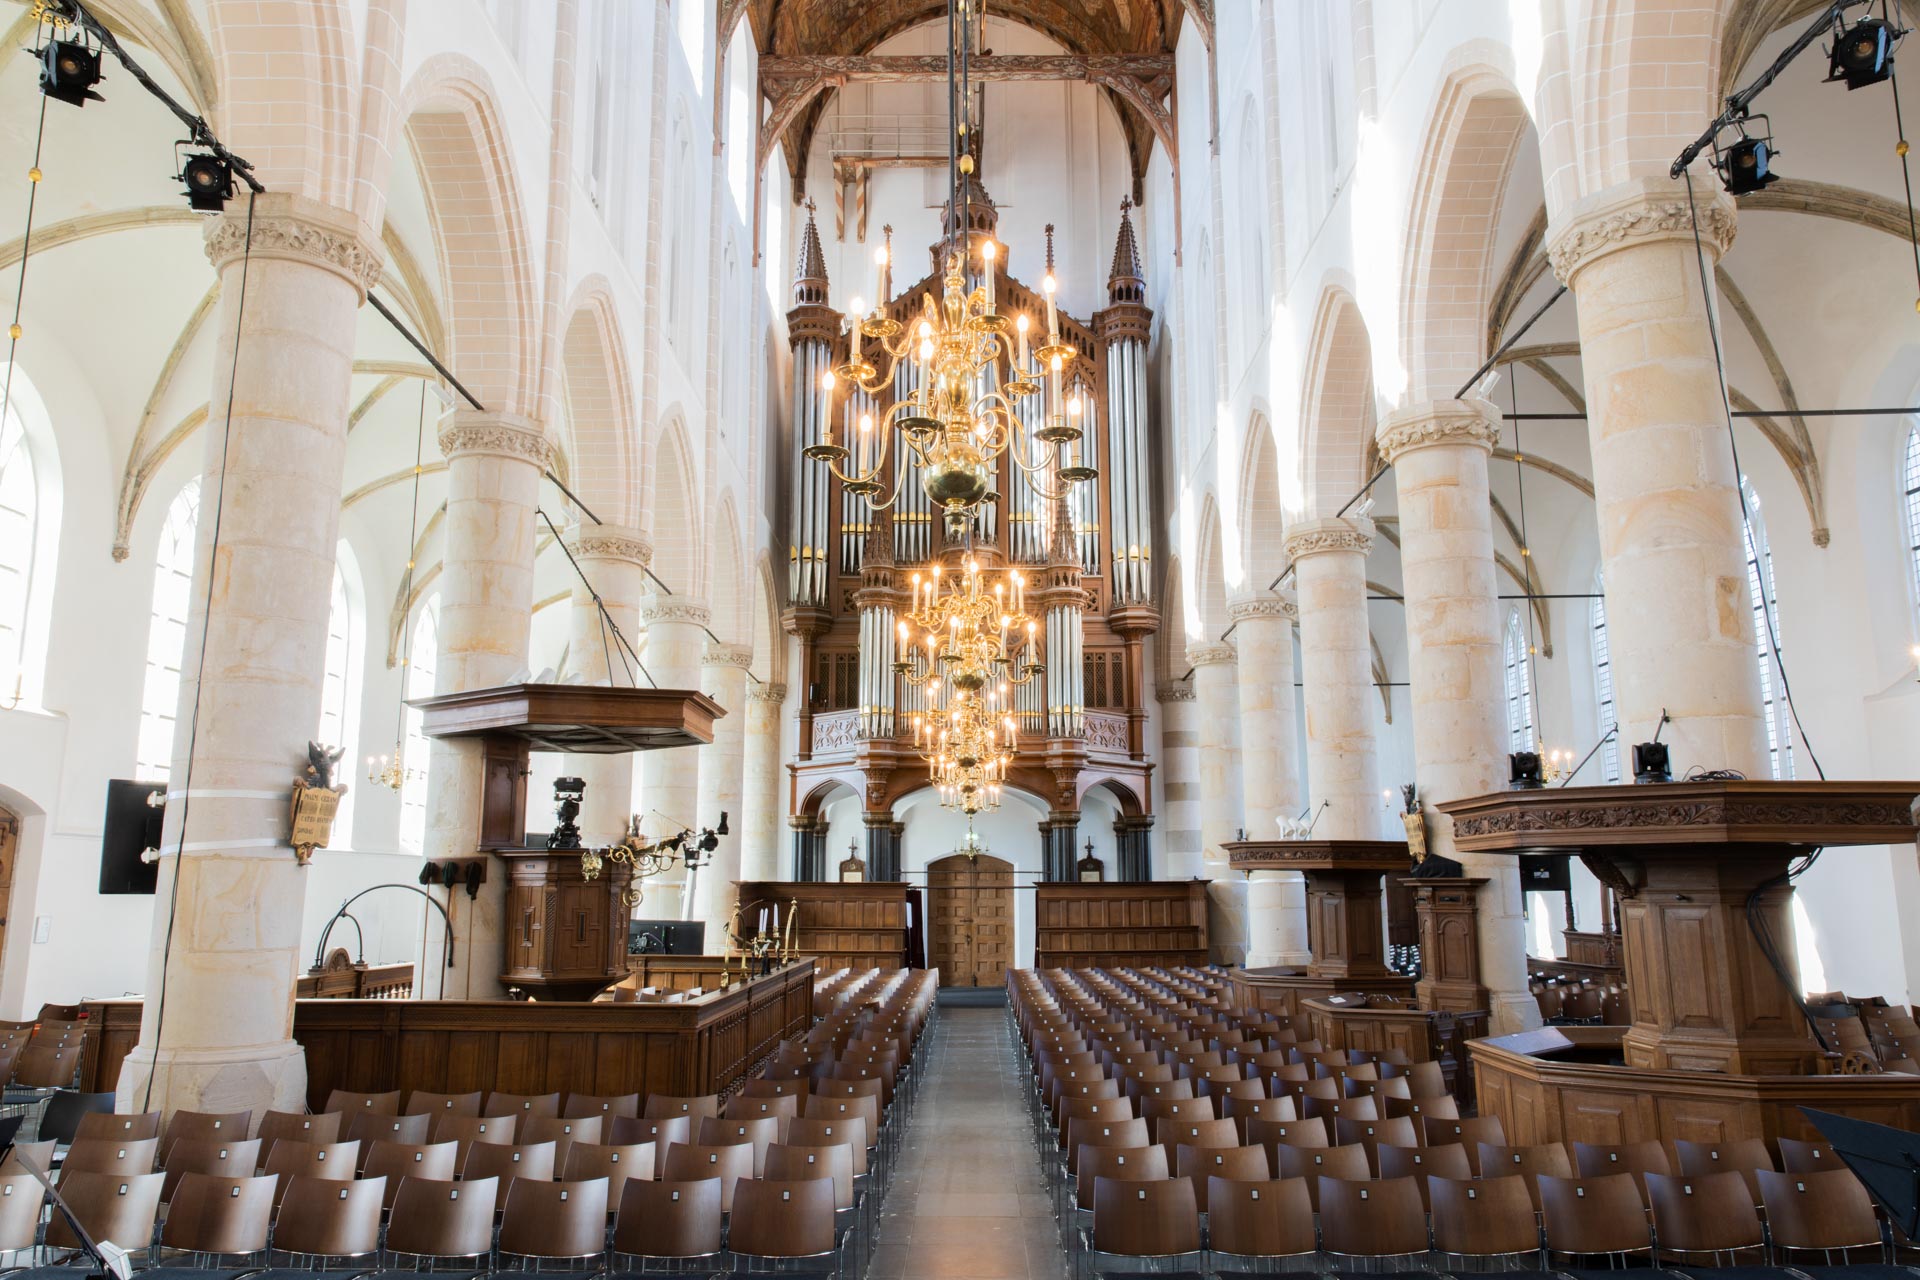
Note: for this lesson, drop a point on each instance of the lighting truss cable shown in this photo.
(606, 618)
(1900, 149)
(200, 668)
(26, 245)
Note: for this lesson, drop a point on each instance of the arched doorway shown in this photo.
(970, 919)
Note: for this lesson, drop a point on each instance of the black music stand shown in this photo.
(1885, 1159)
(101, 1268)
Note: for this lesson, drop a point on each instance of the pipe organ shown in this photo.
(1087, 556)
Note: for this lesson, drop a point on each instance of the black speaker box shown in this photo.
(131, 828)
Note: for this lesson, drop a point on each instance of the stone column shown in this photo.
(216, 1031)
(614, 561)
(1336, 674)
(725, 669)
(494, 464)
(1680, 621)
(1438, 451)
(1270, 773)
(763, 801)
(1218, 703)
(1179, 780)
(670, 780)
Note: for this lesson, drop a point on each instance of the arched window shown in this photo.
(1910, 476)
(335, 683)
(19, 516)
(678, 243)
(1253, 208)
(1608, 713)
(421, 659)
(1766, 632)
(1519, 686)
(167, 634)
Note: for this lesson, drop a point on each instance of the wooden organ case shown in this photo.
(1088, 557)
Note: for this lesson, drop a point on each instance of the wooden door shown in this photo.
(970, 920)
(9, 849)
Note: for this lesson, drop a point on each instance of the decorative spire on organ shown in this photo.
(1126, 282)
(810, 268)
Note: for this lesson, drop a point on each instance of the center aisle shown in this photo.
(967, 1200)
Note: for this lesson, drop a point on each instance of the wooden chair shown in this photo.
(289, 1126)
(109, 1207)
(112, 1126)
(214, 1216)
(321, 1161)
(525, 1105)
(422, 1102)
(732, 1164)
(1469, 1133)
(670, 1221)
(1318, 1164)
(1487, 1219)
(784, 1221)
(396, 1161)
(106, 1156)
(21, 1199)
(442, 1220)
(68, 1110)
(1710, 1214)
(547, 1221)
(821, 1133)
(471, 1131)
(349, 1103)
(230, 1126)
(1826, 1212)
(1421, 1163)
(1143, 1221)
(1371, 1219)
(210, 1156)
(1427, 1080)
(1595, 1217)
(695, 1108)
(1529, 1163)
(504, 1164)
(562, 1133)
(369, 1127)
(580, 1105)
(1256, 1222)
(1127, 1164)
(1372, 1134)
(48, 1064)
(758, 1134)
(662, 1132)
(325, 1218)
(1367, 1108)
(616, 1164)
(1806, 1157)
(1198, 1133)
(1098, 1132)
(37, 1154)
(1591, 1160)
(1745, 1156)
(785, 1107)
(1203, 1164)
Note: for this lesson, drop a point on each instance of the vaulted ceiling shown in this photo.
(801, 29)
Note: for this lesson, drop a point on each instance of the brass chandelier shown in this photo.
(960, 418)
(975, 646)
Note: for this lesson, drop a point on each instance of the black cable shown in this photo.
(26, 244)
(1906, 169)
(1767, 603)
(200, 670)
(606, 618)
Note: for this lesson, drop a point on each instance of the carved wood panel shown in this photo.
(970, 920)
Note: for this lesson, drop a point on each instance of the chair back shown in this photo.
(21, 1199)
(547, 1219)
(825, 1133)
(1549, 1158)
(432, 1219)
(325, 1161)
(328, 1218)
(217, 1157)
(211, 1213)
(473, 1131)
(788, 1163)
(758, 1134)
(616, 1164)
(687, 1162)
(588, 1104)
(1202, 1164)
(1824, 1210)
(1145, 1219)
(369, 1127)
(562, 1133)
(1256, 1218)
(1745, 1156)
(695, 1108)
(68, 1110)
(291, 1126)
(423, 1102)
(347, 1102)
(1127, 1164)
(1483, 1217)
(1599, 1215)
(228, 1126)
(1371, 1219)
(111, 1125)
(1320, 1164)
(1421, 1163)
(662, 1131)
(670, 1218)
(111, 1207)
(395, 1161)
(107, 1155)
(1704, 1213)
(505, 1164)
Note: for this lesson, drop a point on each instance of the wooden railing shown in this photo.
(341, 979)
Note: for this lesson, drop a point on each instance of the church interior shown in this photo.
(986, 639)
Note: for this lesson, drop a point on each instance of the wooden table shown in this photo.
(1691, 862)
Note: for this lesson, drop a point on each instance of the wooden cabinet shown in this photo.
(564, 936)
(1118, 925)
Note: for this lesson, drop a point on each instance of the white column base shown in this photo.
(1227, 916)
(1277, 920)
(272, 1078)
(1511, 1012)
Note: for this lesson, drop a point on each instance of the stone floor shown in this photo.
(968, 1201)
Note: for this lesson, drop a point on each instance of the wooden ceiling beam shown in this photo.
(1095, 68)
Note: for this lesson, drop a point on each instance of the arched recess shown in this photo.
(675, 510)
(1626, 52)
(286, 85)
(600, 406)
(769, 644)
(1262, 515)
(1206, 618)
(1476, 127)
(729, 592)
(1118, 792)
(479, 229)
(1338, 405)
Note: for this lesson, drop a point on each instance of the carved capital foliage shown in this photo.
(1317, 537)
(1638, 212)
(1208, 655)
(768, 692)
(610, 542)
(1174, 691)
(1263, 606)
(727, 655)
(674, 609)
(501, 435)
(1439, 422)
(301, 230)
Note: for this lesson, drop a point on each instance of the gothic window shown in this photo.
(19, 516)
(1608, 712)
(1519, 686)
(167, 634)
(1910, 479)
(335, 682)
(1762, 591)
(422, 656)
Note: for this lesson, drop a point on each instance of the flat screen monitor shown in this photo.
(666, 937)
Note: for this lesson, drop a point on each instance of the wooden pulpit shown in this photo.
(1345, 923)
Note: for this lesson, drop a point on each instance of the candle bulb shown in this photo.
(882, 269)
(1053, 383)
(826, 406)
(1047, 286)
(1020, 327)
(855, 308)
(866, 441)
(988, 251)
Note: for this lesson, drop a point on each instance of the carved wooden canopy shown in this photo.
(1127, 44)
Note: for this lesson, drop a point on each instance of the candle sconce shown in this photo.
(763, 950)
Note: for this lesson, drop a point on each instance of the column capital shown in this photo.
(610, 542)
(768, 691)
(1275, 605)
(1472, 422)
(1320, 537)
(674, 609)
(1210, 655)
(727, 655)
(297, 229)
(1182, 691)
(500, 435)
(1641, 211)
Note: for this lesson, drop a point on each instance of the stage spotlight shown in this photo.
(1863, 54)
(1746, 165)
(209, 182)
(68, 72)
